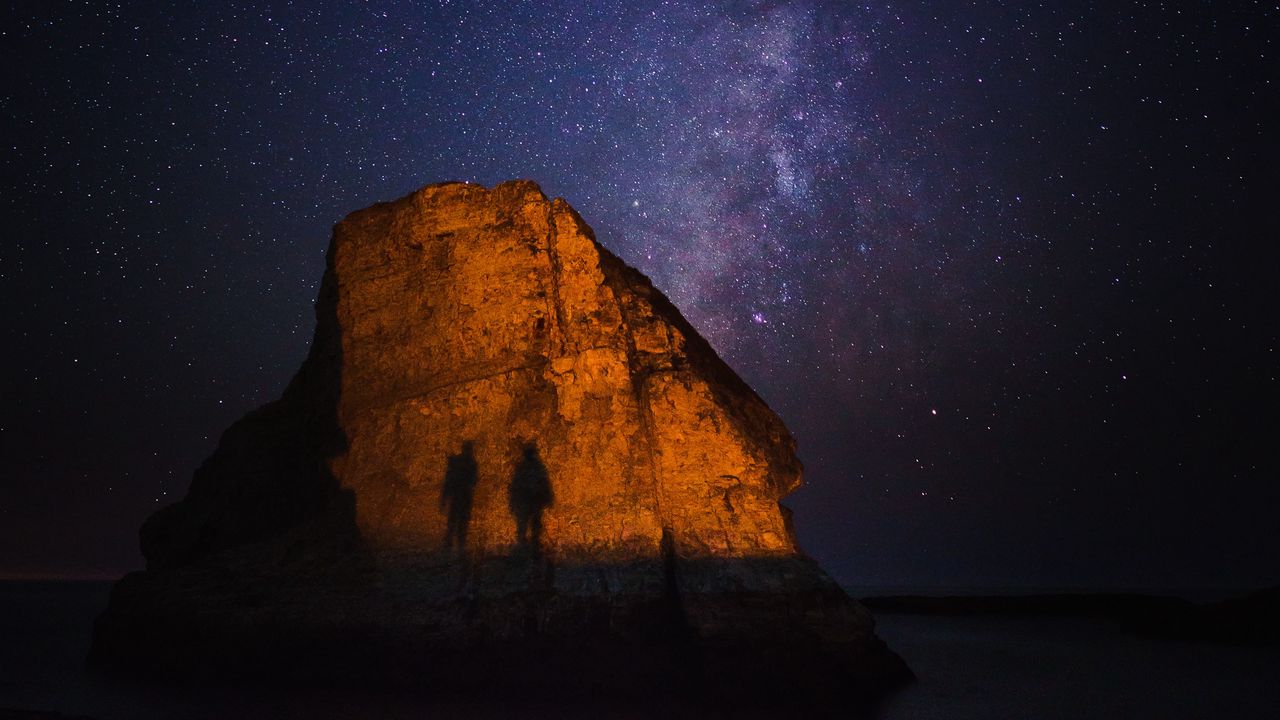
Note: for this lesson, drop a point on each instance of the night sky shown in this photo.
(1002, 267)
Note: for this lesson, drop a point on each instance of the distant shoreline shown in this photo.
(50, 579)
(1250, 619)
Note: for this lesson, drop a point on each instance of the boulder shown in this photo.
(507, 461)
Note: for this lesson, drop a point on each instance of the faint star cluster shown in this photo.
(995, 264)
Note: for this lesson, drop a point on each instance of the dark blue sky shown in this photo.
(1000, 266)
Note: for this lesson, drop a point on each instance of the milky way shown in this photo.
(993, 264)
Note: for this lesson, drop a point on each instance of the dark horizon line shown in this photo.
(62, 577)
(855, 589)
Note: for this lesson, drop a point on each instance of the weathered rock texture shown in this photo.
(503, 437)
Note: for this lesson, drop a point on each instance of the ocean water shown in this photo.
(968, 667)
(1043, 668)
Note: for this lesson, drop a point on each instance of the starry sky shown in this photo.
(1000, 266)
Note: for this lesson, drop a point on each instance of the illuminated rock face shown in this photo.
(494, 317)
(503, 438)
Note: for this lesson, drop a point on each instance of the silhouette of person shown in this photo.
(459, 488)
(528, 496)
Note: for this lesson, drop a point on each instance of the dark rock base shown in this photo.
(722, 634)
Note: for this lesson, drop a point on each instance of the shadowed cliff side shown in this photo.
(272, 471)
(265, 513)
(507, 461)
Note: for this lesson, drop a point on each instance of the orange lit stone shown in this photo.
(494, 317)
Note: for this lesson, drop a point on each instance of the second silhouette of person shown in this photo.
(528, 496)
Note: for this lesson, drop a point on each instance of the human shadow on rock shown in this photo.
(528, 495)
(457, 495)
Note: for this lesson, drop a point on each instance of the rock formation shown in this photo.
(505, 449)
